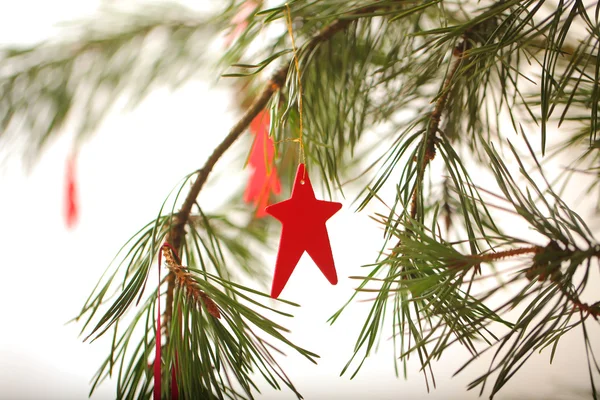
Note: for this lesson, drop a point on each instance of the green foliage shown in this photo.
(215, 357)
(397, 94)
(119, 56)
(225, 353)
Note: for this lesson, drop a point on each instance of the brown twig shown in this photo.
(508, 253)
(177, 232)
(593, 310)
(538, 271)
(475, 260)
(546, 266)
(183, 279)
(434, 122)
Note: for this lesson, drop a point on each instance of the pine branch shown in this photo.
(424, 279)
(278, 79)
(184, 280)
(209, 347)
(45, 86)
(391, 59)
(430, 135)
(181, 218)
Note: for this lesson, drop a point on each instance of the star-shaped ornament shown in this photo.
(303, 220)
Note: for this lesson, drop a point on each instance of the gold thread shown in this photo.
(288, 21)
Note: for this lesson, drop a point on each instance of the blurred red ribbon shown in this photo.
(71, 200)
(240, 21)
(264, 179)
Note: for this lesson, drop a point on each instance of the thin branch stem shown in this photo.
(584, 308)
(475, 260)
(434, 123)
(508, 253)
(592, 310)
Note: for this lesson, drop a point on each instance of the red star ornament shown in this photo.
(303, 220)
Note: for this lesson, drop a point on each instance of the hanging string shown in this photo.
(288, 20)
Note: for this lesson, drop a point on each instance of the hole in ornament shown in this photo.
(302, 182)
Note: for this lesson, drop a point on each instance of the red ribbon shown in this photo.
(264, 179)
(157, 355)
(71, 205)
(174, 387)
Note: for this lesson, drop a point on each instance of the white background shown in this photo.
(124, 174)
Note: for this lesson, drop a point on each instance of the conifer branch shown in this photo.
(386, 61)
(434, 122)
(476, 259)
(542, 272)
(181, 218)
(508, 253)
(184, 280)
(584, 308)
(76, 82)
